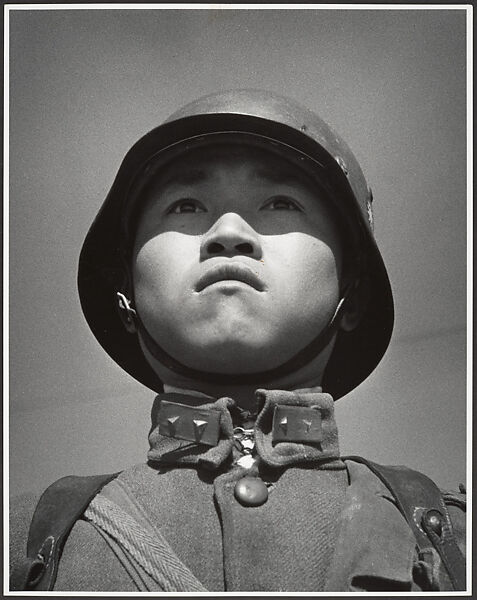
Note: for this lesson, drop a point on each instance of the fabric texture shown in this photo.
(144, 544)
(287, 453)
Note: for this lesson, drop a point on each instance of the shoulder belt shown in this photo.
(59, 507)
(422, 504)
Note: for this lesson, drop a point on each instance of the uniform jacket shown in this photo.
(175, 523)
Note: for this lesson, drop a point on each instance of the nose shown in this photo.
(231, 235)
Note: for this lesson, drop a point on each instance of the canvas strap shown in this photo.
(58, 509)
(422, 505)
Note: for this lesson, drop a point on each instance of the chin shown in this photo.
(237, 354)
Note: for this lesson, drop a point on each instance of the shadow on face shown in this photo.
(269, 193)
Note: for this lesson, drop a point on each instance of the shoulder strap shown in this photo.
(59, 507)
(422, 505)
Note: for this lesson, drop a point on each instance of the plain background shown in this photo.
(86, 84)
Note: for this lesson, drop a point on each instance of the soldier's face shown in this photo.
(236, 260)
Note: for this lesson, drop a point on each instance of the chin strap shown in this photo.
(302, 358)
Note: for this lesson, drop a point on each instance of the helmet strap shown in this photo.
(127, 313)
(299, 360)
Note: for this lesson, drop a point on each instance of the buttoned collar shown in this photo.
(292, 427)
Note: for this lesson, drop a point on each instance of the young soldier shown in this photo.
(233, 270)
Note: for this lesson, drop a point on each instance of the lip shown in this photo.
(230, 272)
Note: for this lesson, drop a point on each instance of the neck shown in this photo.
(309, 376)
(244, 395)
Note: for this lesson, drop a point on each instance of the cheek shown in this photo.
(320, 266)
(307, 263)
(161, 262)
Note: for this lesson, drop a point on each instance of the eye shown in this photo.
(186, 205)
(282, 203)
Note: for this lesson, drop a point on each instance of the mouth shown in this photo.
(230, 272)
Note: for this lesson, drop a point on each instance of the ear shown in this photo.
(127, 313)
(355, 306)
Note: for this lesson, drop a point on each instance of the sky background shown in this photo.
(85, 85)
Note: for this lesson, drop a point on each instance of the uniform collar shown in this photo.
(280, 413)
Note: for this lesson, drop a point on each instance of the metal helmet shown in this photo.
(280, 125)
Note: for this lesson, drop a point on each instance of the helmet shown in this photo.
(281, 125)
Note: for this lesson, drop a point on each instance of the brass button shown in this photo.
(251, 491)
(432, 519)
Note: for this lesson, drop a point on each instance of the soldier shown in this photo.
(233, 270)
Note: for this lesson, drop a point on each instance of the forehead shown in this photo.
(209, 163)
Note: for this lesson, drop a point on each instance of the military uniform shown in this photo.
(226, 502)
(177, 524)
